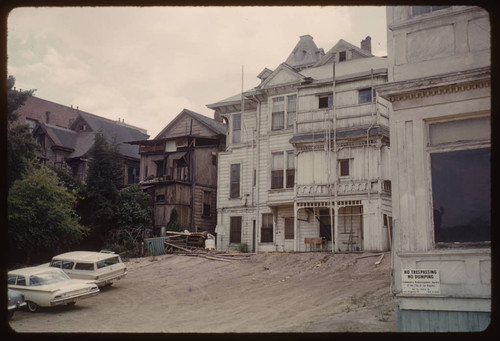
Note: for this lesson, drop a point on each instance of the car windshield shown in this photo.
(48, 277)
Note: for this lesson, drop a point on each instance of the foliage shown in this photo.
(21, 146)
(173, 223)
(66, 177)
(41, 216)
(104, 180)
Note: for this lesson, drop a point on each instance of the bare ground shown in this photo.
(278, 292)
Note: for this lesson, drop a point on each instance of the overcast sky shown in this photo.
(145, 65)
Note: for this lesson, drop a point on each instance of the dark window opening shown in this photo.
(461, 185)
(206, 204)
(325, 101)
(237, 128)
(344, 167)
(235, 230)
(289, 228)
(342, 56)
(266, 235)
(325, 228)
(235, 181)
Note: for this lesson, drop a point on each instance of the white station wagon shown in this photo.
(46, 287)
(103, 268)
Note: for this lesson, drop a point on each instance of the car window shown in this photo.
(56, 263)
(66, 264)
(107, 262)
(12, 279)
(21, 280)
(84, 266)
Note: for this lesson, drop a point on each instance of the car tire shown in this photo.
(33, 307)
(71, 303)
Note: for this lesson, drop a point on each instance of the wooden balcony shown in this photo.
(350, 187)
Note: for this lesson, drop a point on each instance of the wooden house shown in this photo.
(307, 159)
(178, 169)
(71, 144)
(439, 94)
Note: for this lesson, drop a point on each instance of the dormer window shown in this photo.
(342, 56)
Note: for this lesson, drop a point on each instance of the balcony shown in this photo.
(350, 187)
(172, 173)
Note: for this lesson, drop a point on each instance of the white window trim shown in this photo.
(285, 118)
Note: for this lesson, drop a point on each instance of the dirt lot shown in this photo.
(287, 292)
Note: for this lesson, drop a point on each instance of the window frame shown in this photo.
(235, 140)
(363, 96)
(206, 208)
(340, 163)
(287, 113)
(268, 228)
(285, 173)
(329, 102)
(450, 147)
(233, 182)
(431, 9)
(235, 230)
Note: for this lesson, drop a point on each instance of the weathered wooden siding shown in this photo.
(201, 222)
(205, 170)
(188, 126)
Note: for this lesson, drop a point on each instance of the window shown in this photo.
(342, 56)
(266, 232)
(21, 280)
(290, 170)
(325, 101)
(234, 191)
(291, 111)
(206, 204)
(160, 197)
(289, 228)
(281, 177)
(461, 180)
(107, 262)
(84, 266)
(283, 111)
(237, 128)
(11, 279)
(418, 10)
(277, 170)
(278, 113)
(366, 95)
(235, 230)
(344, 167)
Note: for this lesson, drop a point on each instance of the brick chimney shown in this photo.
(366, 44)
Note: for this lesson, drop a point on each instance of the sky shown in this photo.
(144, 65)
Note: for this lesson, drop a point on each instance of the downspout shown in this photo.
(193, 171)
(372, 125)
(334, 217)
(257, 175)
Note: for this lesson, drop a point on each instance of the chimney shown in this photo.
(366, 44)
(218, 117)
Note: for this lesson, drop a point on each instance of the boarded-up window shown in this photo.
(206, 204)
(234, 191)
(235, 230)
(266, 232)
(289, 228)
(277, 170)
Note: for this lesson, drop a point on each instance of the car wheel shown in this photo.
(32, 306)
(71, 303)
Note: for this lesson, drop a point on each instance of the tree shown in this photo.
(41, 216)
(21, 146)
(104, 180)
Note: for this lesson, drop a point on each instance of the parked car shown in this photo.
(104, 268)
(47, 287)
(15, 301)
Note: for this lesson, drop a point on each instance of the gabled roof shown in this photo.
(61, 137)
(342, 45)
(111, 130)
(217, 127)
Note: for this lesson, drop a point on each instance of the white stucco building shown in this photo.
(439, 94)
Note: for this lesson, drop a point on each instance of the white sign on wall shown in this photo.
(421, 281)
